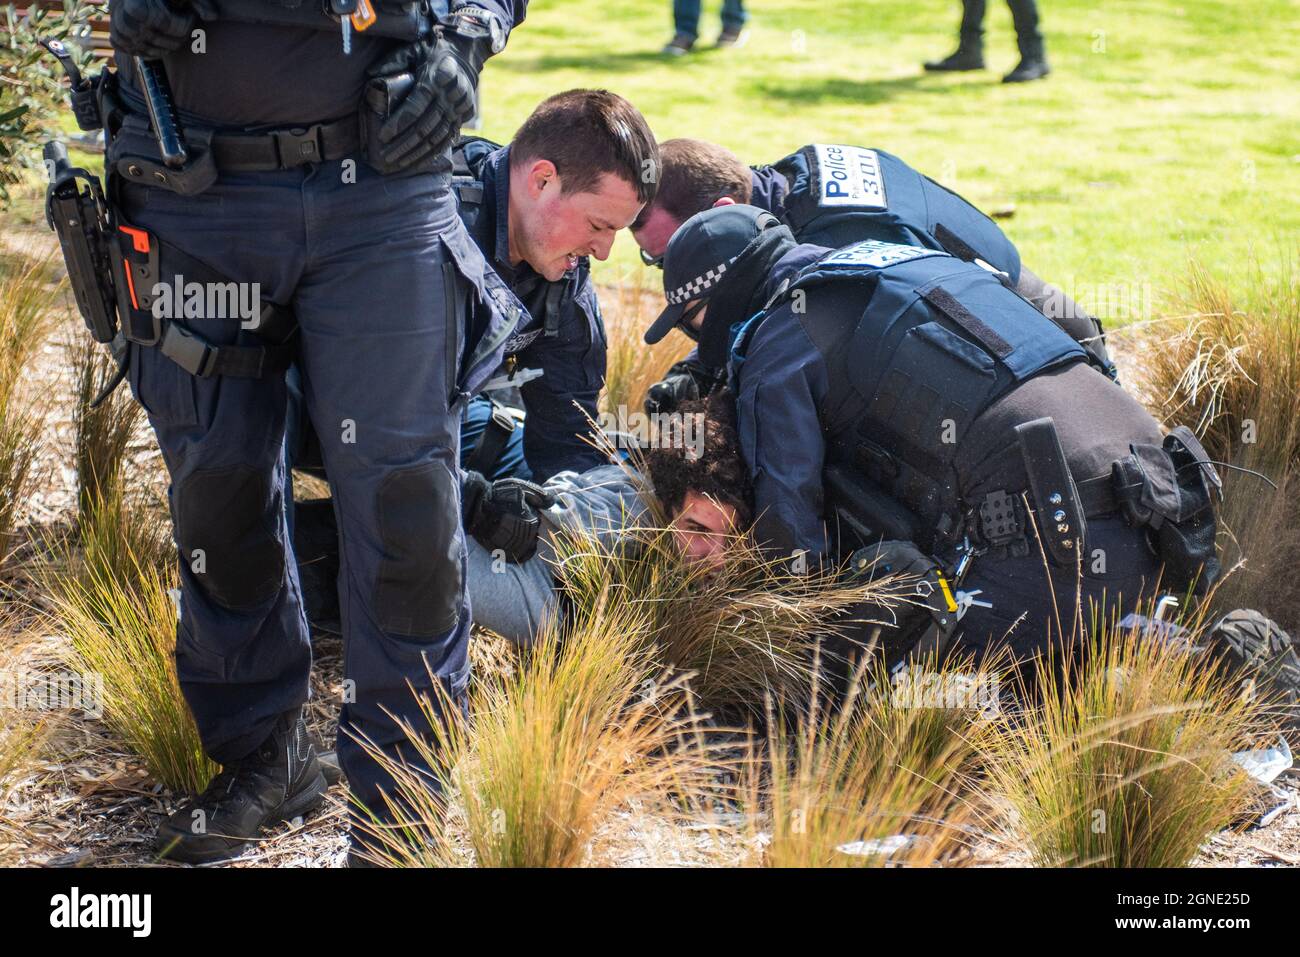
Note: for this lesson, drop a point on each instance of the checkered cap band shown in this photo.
(691, 290)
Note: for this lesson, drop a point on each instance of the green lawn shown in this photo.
(1166, 130)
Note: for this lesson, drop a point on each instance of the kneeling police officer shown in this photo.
(313, 167)
(896, 392)
(833, 195)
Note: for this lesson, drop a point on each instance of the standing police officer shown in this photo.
(317, 174)
(888, 391)
(834, 195)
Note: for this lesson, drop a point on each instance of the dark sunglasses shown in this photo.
(691, 312)
(656, 261)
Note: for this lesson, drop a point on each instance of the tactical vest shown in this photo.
(542, 298)
(930, 343)
(844, 194)
(397, 19)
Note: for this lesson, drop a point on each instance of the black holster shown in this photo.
(77, 212)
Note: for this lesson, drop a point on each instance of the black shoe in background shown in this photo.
(1029, 68)
(279, 781)
(966, 58)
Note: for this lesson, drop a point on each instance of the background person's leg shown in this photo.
(1033, 57)
(686, 17)
(686, 27)
(734, 17)
(970, 46)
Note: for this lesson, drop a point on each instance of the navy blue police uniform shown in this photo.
(915, 373)
(563, 339)
(282, 192)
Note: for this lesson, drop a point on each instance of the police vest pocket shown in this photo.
(935, 384)
(163, 389)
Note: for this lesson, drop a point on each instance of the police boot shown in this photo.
(1258, 650)
(968, 56)
(1032, 65)
(279, 781)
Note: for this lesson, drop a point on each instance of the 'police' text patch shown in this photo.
(877, 255)
(850, 176)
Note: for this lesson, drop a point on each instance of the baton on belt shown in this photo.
(162, 111)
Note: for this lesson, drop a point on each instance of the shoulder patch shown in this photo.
(873, 253)
(850, 176)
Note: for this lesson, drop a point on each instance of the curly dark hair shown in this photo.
(718, 472)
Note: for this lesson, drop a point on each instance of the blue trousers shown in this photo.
(686, 15)
(375, 268)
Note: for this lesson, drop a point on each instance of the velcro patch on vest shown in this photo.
(875, 254)
(850, 176)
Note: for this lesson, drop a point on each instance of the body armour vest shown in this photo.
(397, 19)
(917, 344)
(844, 194)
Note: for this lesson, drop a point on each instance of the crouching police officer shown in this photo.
(833, 195)
(315, 171)
(895, 392)
(577, 171)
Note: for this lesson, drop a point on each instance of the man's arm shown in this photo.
(782, 382)
(602, 502)
(559, 402)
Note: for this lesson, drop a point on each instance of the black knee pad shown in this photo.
(418, 592)
(227, 523)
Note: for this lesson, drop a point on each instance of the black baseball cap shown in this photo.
(699, 254)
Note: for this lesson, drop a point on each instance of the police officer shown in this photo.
(832, 195)
(539, 209)
(579, 169)
(317, 173)
(970, 49)
(890, 391)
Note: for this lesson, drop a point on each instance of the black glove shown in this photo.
(670, 392)
(503, 514)
(686, 381)
(923, 594)
(153, 28)
(430, 116)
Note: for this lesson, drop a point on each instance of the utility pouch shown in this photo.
(382, 96)
(1168, 491)
(75, 209)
